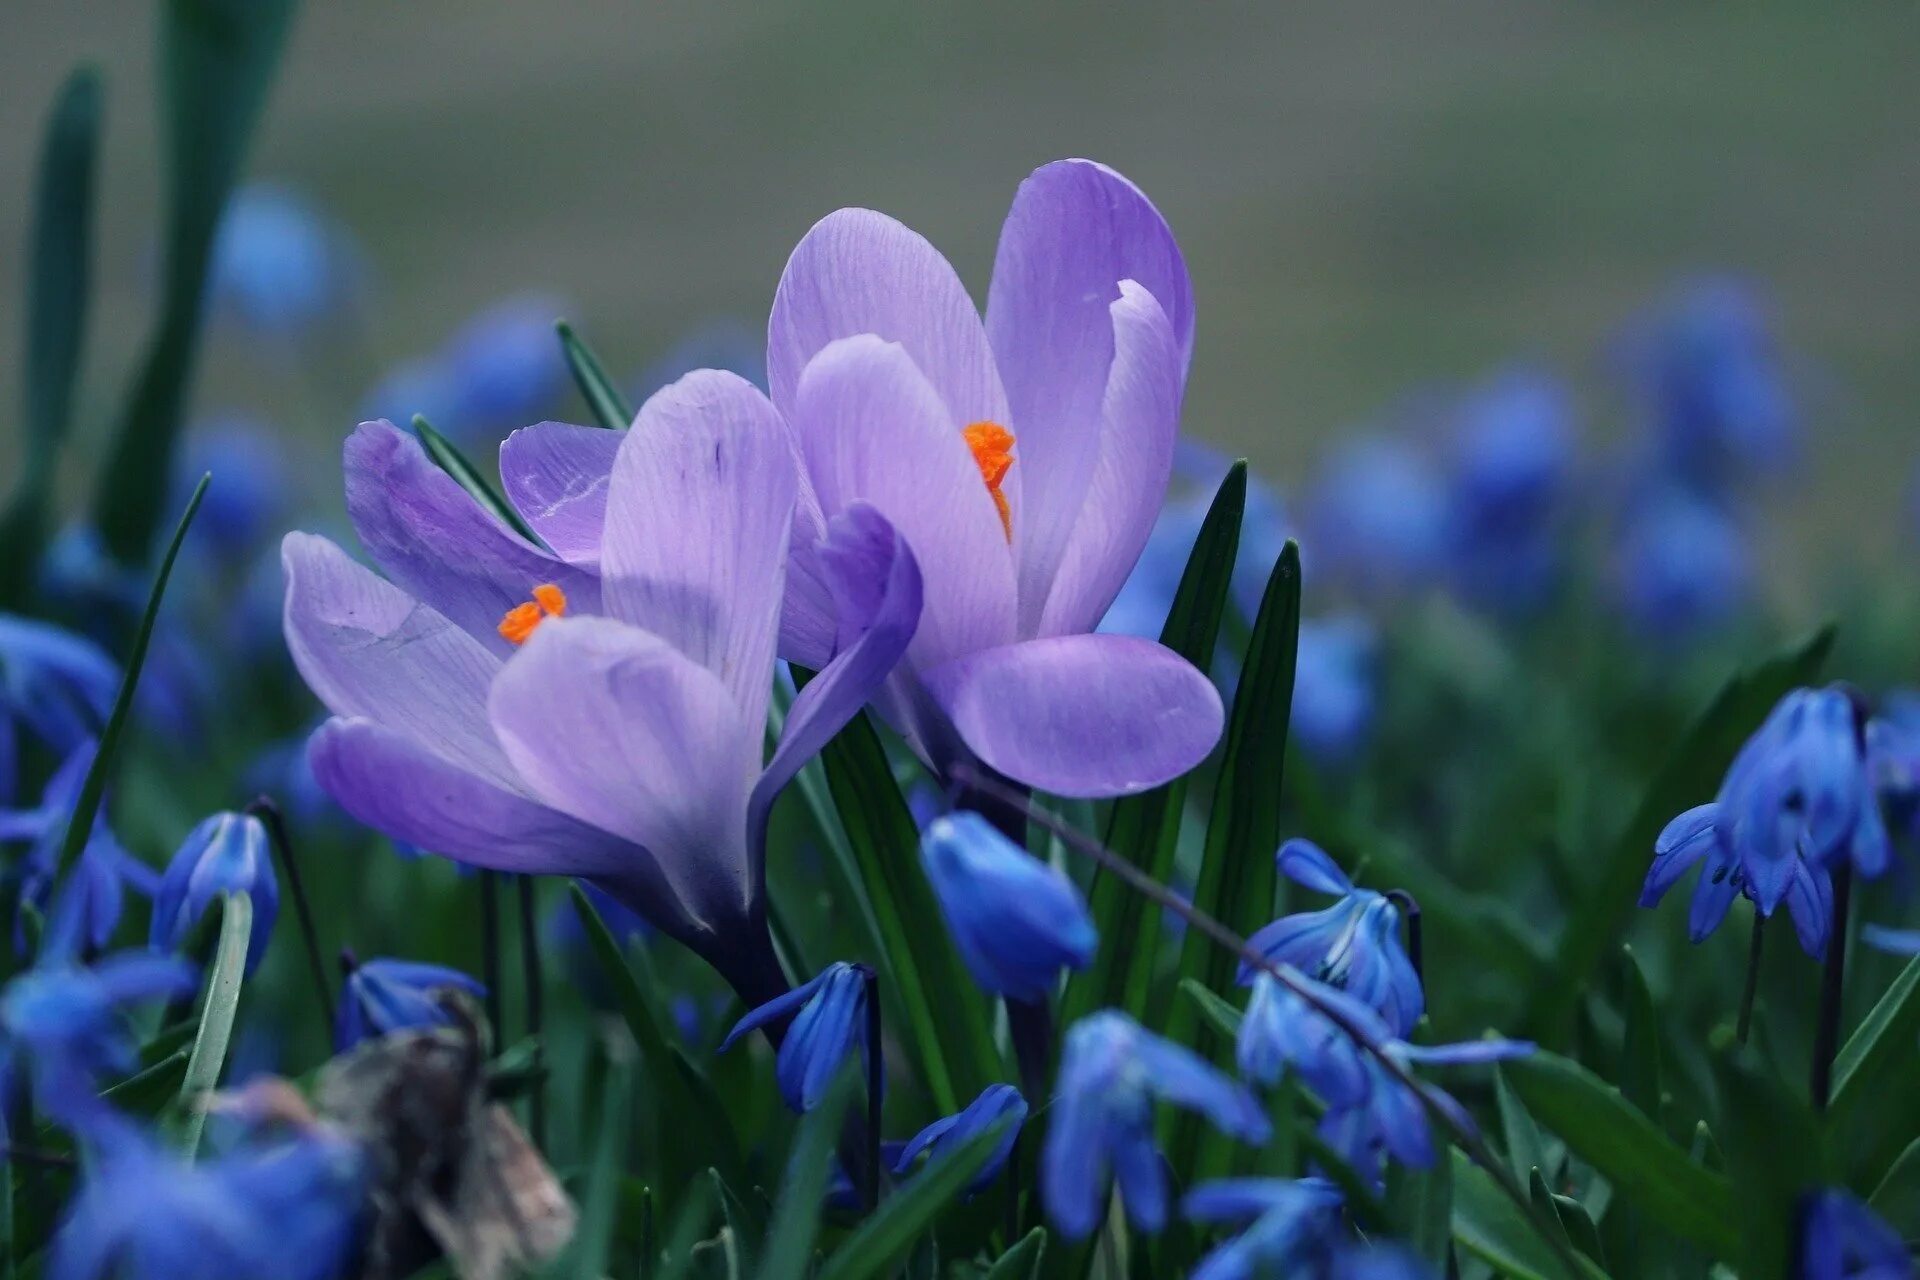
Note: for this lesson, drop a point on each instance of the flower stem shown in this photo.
(269, 813)
(216, 1020)
(530, 979)
(875, 1068)
(1753, 977)
(490, 950)
(1833, 983)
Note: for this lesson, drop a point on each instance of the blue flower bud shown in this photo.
(996, 1103)
(1015, 920)
(829, 1021)
(384, 996)
(226, 853)
(1841, 1239)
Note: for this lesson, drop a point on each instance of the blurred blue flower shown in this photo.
(57, 685)
(1353, 945)
(1377, 519)
(1842, 1239)
(1681, 563)
(281, 770)
(87, 905)
(1140, 609)
(1707, 371)
(226, 853)
(996, 1103)
(383, 996)
(291, 1209)
(1334, 688)
(247, 499)
(507, 365)
(1802, 785)
(1510, 464)
(1100, 1126)
(65, 1022)
(422, 385)
(1698, 834)
(1290, 1226)
(279, 264)
(829, 1021)
(1893, 756)
(1016, 921)
(724, 344)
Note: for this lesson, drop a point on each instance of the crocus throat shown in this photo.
(992, 446)
(522, 620)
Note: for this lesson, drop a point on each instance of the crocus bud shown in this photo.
(226, 853)
(384, 996)
(1016, 920)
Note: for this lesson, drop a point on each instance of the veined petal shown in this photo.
(1075, 557)
(368, 650)
(699, 511)
(873, 430)
(1087, 715)
(618, 728)
(432, 539)
(861, 272)
(556, 475)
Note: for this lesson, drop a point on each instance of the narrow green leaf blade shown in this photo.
(796, 1214)
(1487, 1224)
(217, 1015)
(447, 456)
(609, 404)
(889, 1232)
(1022, 1262)
(1875, 1110)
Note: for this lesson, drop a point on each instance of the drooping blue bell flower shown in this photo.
(1353, 945)
(1377, 518)
(54, 685)
(1016, 921)
(1510, 461)
(1681, 564)
(226, 853)
(383, 996)
(82, 910)
(506, 364)
(1289, 1227)
(1335, 688)
(829, 1022)
(1698, 835)
(997, 1103)
(1100, 1126)
(1842, 1239)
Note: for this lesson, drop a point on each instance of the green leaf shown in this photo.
(1144, 829)
(689, 1106)
(1543, 1208)
(1223, 1017)
(609, 404)
(591, 1249)
(447, 456)
(1774, 1153)
(1897, 1198)
(1022, 1262)
(947, 1029)
(748, 1225)
(216, 1017)
(796, 1214)
(1578, 1224)
(1691, 774)
(217, 58)
(1640, 1043)
(1627, 1149)
(80, 825)
(1525, 1150)
(59, 285)
(1489, 1225)
(889, 1232)
(1419, 1208)
(1875, 1109)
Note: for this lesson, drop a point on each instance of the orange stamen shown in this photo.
(992, 446)
(522, 620)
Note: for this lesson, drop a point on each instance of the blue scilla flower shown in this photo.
(1335, 688)
(248, 497)
(1803, 784)
(1510, 461)
(1841, 1239)
(1353, 945)
(383, 996)
(63, 1021)
(1100, 1127)
(996, 1104)
(226, 853)
(280, 265)
(1377, 519)
(291, 1208)
(1681, 563)
(829, 1022)
(56, 685)
(87, 905)
(506, 363)
(1289, 1226)
(1893, 756)
(1016, 920)
(1707, 369)
(1699, 834)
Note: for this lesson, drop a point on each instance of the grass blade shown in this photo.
(887, 1236)
(216, 1018)
(609, 404)
(447, 456)
(796, 1215)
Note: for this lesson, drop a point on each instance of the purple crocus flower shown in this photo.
(1023, 459)
(595, 707)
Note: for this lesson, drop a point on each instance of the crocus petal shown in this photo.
(1306, 863)
(698, 515)
(369, 650)
(858, 272)
(555, 474)
(431, 538)
(873, 430)
(877, 584)
(1074, 558)
(618, 728)
(1086, 715)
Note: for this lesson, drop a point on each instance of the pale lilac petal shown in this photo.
(877, 585)
(555, 474)
(1075, 231)
(1089, 715)
(1102, 538)
(873, 430)
(858, 272)
(369, 650)
(618, 728)
(698, 516)
(431, 538)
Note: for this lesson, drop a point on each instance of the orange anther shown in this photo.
(992, 446)
(521, 621)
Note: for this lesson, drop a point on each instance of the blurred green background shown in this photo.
(1372, 197)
